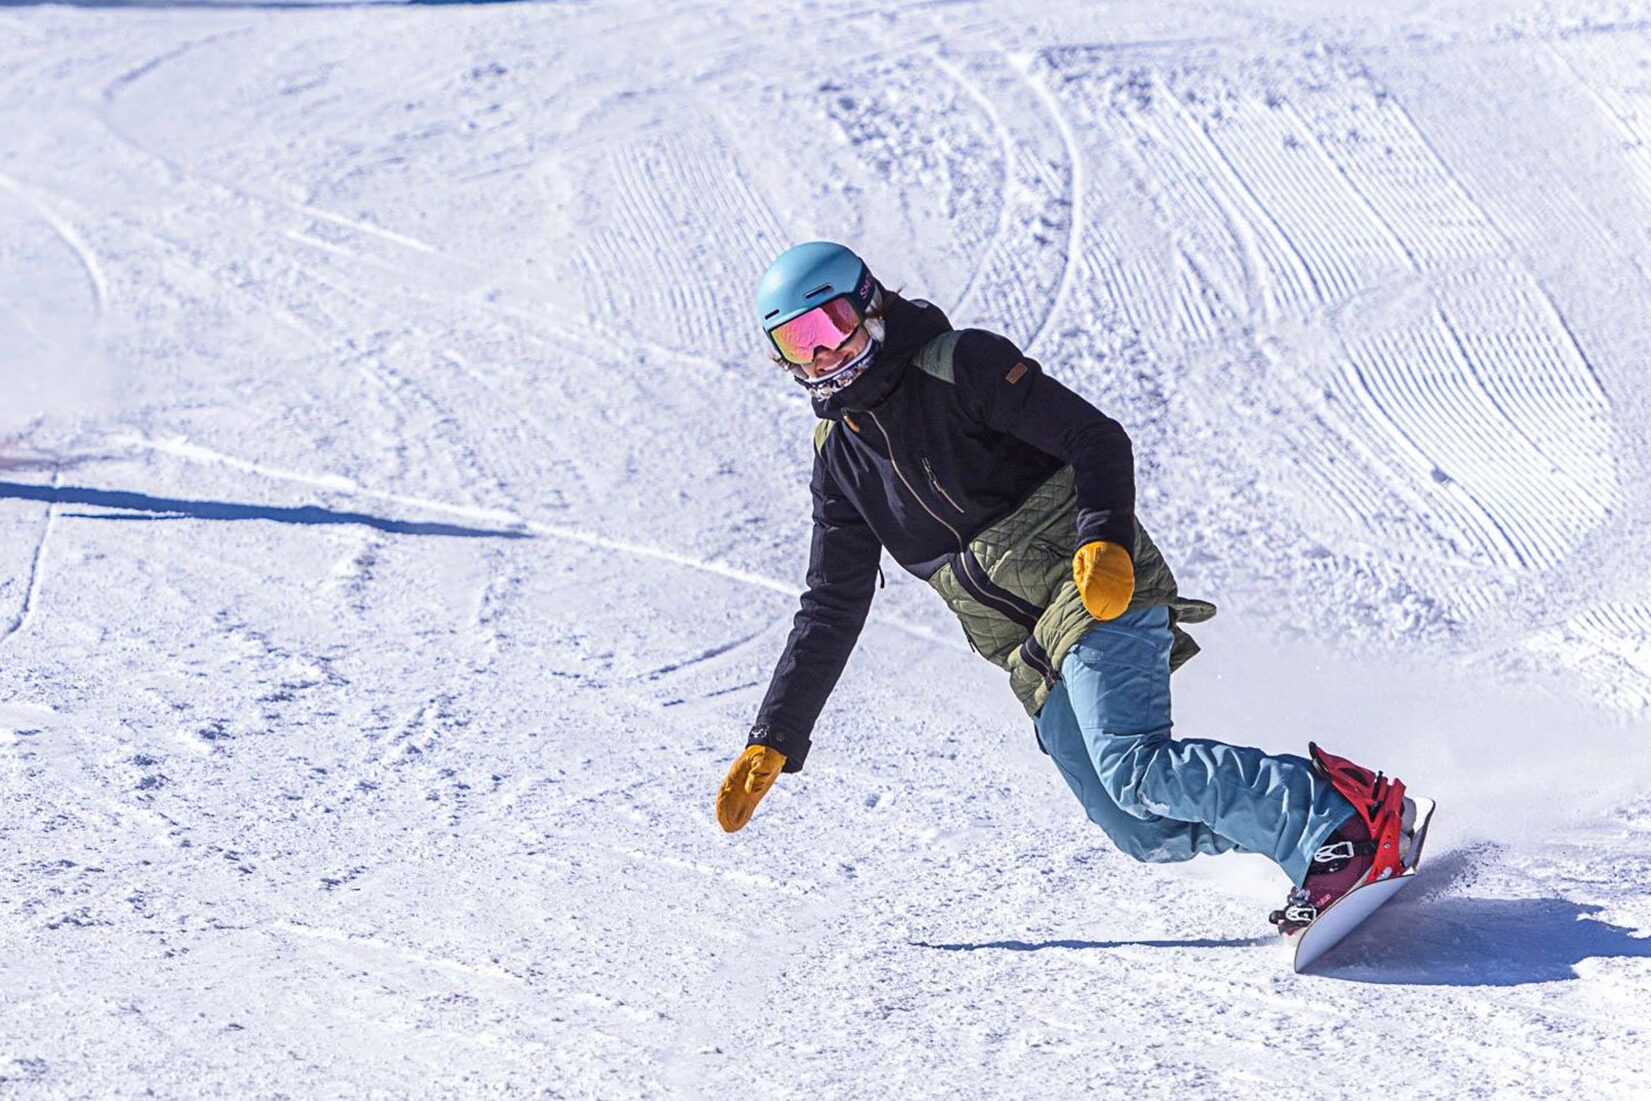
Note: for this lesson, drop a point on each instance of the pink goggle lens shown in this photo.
(825, 326)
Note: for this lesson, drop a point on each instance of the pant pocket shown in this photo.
(1105, 648)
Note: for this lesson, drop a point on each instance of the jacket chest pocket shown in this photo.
(936, 485)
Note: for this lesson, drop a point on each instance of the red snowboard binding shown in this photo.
(1369, 847)
(1379, 803)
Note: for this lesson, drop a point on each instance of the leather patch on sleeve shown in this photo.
(1016, 372)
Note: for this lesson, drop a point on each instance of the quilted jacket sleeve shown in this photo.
(1010, 393)
(842, 571)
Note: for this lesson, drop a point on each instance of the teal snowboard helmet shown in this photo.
(832, 291)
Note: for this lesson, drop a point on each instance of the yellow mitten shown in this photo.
(747, 782)
(1105, 578)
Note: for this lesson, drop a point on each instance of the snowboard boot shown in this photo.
(1373, 844)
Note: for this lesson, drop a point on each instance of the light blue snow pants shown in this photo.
(1107, 726)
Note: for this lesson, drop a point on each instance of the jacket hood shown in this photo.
(910, 325)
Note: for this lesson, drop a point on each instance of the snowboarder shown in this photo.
(1014, 498)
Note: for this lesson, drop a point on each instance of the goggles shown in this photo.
(828, 325)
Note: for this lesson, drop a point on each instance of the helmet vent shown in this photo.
(821, 289)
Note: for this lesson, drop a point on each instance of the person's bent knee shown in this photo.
(1123, 770)
(1146, 849)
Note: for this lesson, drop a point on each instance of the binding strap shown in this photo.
(1377, 800)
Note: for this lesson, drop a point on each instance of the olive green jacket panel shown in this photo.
(1029, 553)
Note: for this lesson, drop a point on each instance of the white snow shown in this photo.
(399, 522)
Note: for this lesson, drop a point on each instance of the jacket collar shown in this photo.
(911, 324)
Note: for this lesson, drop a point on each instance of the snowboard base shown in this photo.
(1348, 912)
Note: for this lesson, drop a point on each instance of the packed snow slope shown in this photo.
(399, 522)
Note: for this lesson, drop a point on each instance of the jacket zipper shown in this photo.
(938, 488)
(979, 590)
(1035, 656)
(988, 591)
(974, 586)
(916, 496)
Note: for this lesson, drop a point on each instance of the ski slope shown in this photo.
(399, 521)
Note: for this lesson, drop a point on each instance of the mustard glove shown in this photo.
(747, 782)
(1105, 578)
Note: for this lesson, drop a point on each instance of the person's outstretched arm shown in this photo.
(842, 573)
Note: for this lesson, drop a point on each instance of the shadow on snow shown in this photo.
(1041, 945)
(1479, 942)
(1433, 937)
(144, 507)
(1439, 936)
(1437, 942)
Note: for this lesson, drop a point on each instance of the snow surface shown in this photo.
(399, 523)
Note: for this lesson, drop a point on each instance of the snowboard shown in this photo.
(1348, 912)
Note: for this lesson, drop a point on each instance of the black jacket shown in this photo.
(919, 466)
